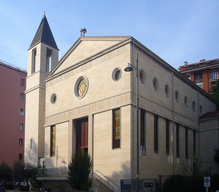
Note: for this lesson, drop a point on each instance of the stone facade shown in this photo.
(89, 85)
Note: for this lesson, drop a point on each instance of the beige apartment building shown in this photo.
(87, 101)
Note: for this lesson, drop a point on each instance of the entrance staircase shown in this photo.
(102, 183)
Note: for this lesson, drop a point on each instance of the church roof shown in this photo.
(44, 35)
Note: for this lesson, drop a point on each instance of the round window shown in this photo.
(142, 76)
(155, 83)
(116, 75)
(167, 90)
(53, 98)
(177, 96)
(81, 87)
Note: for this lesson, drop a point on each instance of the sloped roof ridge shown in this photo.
(44, 35)
(123, 39)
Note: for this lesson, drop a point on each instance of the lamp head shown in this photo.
(128, 69)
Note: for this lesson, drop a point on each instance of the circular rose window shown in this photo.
(81, 87)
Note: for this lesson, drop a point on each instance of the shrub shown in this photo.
(174, 183)
(79, 170)
(24, 188)
(214, 182)
(179, 183)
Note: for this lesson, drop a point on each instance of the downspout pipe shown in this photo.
(173, 116)
(133, 113)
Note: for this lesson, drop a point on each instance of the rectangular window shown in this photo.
(20, 156)
(116, 128)
(194, 142)
(177, 140)
(200, 85)
(167, 137)
(186, 142)
(31, 142)
(22, 97)
(53, 140)
(188, 76)
(214, 74)
(22, 82)
(21, 126)
(48, 60)
(155, 133)
(21, 142)
(198, 78)
(22, 112)
(142, 119)
(34, 56)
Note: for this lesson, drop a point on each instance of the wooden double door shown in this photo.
(82, 135)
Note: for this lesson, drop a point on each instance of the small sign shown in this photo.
(143, 151)
(207, 182)
(148, 185)
(127, 182)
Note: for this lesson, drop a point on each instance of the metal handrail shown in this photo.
(104, 182)
(108, 178)
(14, 66)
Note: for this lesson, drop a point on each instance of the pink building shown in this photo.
(12, 113)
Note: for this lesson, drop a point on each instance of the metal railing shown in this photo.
(14, 66)
(102, 181)
(107, 180)
(53, 172)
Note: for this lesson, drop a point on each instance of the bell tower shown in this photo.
(42, 56)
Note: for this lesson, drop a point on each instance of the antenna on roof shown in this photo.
(83, 31)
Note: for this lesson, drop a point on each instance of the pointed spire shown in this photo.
(44, 34)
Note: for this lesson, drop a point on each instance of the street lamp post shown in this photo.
(129, 69)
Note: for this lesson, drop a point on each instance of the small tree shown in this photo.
(216, 155)
(18, 171)
(215, 92)
(79, 170)
(29, 172)
(5, 172)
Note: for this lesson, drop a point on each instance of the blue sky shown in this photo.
(175, 30)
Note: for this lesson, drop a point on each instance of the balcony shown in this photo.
(59, 173)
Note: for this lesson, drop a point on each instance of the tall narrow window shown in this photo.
(48, 60)
(214, 74)
(155, 133)
(53, 140)
(177, 140)
(22, 97)
(22, 112)
(21, 142)
(198, 79)
(194, 142)
(31, 143)
(22, 82)
(167, 137)
(186, 142)
(34, 55)
(116, 128)
(142, 127)
(21, 126)
(20, 156)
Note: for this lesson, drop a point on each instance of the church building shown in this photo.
(86, 100)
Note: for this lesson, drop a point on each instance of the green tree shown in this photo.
(29, 171)
(215, 92)
(79, 170)
(216, 155)
(5, 172)
(18, 171)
